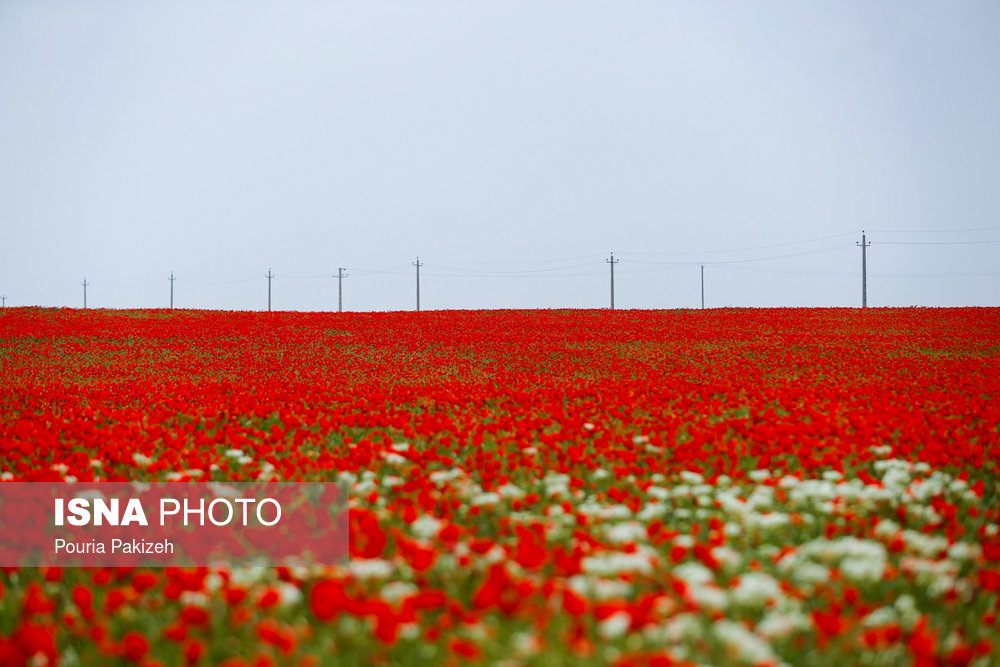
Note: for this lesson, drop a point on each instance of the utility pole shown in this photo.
(864, 269)
(269, 276)
(703, 287)
(418, 264)
(612, 262)
(340, 288)
(85, 283)
(171, 279)
(3, 298)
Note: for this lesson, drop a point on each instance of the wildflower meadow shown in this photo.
(720, 487)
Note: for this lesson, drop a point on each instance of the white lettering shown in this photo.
(211, 513)
(277, 512)
(80, 511)
(134, 513)
(163, 508)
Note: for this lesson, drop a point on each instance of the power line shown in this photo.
(528, 271)
(120, 286)
(385, 273)
(759, 247)
(401, 262)
(225, 282)
(526, 261)
(494, 274)
(535, 275)
(47, 292)
(757, 269)
(936, 231)
(753, 259)
(658, 269)
(576, 266)
(938, 275)
(877, 274)
(817, 251)
(938, 242)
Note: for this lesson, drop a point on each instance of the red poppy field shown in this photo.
(722, 487)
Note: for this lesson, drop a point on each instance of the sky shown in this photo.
(511, 146)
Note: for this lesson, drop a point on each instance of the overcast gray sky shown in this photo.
(510, 145)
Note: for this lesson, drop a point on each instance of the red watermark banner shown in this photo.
(129, 524)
